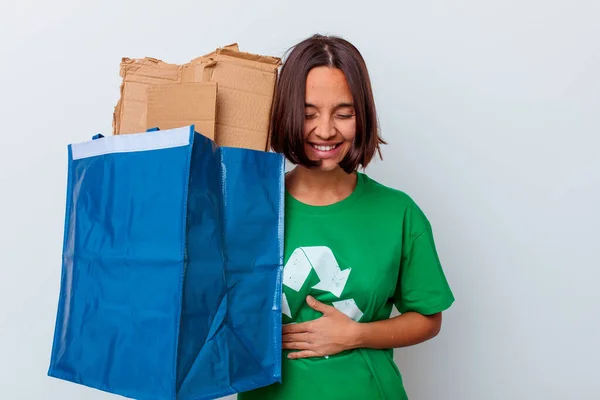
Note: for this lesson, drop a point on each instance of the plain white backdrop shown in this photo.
(492, 114)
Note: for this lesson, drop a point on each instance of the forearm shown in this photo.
(404, 330)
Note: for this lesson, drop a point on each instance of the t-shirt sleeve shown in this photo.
(422, 286)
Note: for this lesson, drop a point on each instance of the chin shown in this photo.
(328, 166)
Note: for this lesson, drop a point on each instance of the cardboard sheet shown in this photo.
(171, 105)
(245, 85)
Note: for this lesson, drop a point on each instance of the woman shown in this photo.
(353, 247)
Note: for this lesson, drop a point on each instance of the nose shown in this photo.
(325, 128)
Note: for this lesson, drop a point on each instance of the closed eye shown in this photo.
(345, 116)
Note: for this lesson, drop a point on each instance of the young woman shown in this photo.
(353, 247)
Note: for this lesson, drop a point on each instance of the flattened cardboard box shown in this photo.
(245, 88)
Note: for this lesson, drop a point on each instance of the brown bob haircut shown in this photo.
(287, 117)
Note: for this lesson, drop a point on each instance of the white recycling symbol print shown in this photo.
(331, 278)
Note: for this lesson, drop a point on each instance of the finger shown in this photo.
(295, 337)
(302, 354)
(317, 305)
(295, 328)
(295, 346)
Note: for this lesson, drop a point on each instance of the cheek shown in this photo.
(347, 129)
(348, 132)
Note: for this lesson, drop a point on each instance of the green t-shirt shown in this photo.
(362, 255)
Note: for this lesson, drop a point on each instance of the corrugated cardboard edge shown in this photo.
(212, 55)
(198, 66)
(275, 61)
(126, 64)
(268, 148)
(118, 107)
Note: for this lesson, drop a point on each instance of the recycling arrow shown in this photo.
(332, 279)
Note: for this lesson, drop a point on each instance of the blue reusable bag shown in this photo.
(172, 266)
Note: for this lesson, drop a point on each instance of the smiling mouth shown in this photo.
(325, 147)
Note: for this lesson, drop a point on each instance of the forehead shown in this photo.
(327, 86)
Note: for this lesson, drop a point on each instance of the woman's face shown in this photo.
(329, 117)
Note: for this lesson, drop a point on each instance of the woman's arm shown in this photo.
(404, 330)
(334, 332)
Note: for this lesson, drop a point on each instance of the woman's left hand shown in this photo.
(327, 335)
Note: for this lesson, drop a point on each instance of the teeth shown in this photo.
(324, 148)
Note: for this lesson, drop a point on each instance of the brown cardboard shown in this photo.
(245, 87)
(130, 112)
(245, 96)
(212, 55)
(173, 105)
(194, 70)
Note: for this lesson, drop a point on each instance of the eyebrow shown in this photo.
(340, 105)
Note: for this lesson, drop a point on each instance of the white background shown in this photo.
(492, 112)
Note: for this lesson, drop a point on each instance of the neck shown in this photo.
(320, 188)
